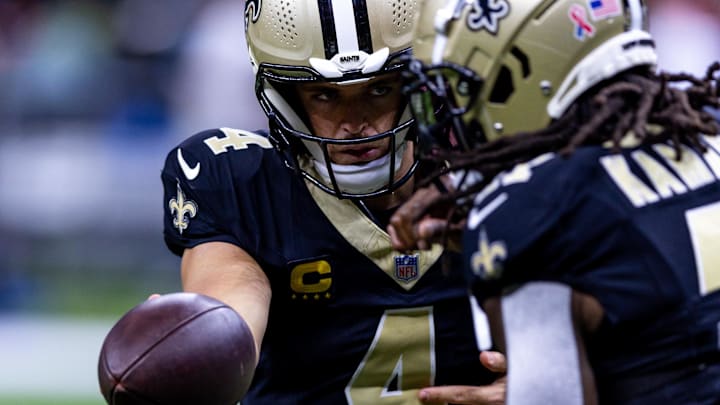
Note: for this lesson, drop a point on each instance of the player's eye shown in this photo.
(381, 90)
(324, 95)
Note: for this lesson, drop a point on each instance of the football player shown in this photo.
(287, 226)
(589, 187)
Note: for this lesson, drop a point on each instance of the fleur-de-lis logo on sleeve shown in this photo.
(487, 261)
(182, 210)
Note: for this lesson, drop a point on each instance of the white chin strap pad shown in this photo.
(365, 178)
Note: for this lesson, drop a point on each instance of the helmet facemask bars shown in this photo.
(339, 42)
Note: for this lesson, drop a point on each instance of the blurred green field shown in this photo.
(61, 304)
(86, 274)
(26, 400)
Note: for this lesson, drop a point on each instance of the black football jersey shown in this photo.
(637, 230)
(351, 320)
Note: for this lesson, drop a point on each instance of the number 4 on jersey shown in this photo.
(400, 361)
(236, 139)
(704, 226)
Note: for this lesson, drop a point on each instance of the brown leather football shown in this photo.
(177, 349)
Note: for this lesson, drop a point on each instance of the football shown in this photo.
(177, 349)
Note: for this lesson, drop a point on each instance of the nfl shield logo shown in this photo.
(406, 267)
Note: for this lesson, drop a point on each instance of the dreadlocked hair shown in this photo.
(632, 101)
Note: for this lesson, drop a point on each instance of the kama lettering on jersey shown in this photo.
(690, 173)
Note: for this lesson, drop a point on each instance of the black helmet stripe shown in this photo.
(327, 20)
(362, 22)
(363, 39)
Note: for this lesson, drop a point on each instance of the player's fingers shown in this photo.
(464, 394)
(399, 242)
(153, 296)
(404, 221)
(417, 205)
(438, 230)
(429, 230)
(494, 361)
(402, 229)
(420, 235)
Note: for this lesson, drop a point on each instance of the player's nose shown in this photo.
(353, 122)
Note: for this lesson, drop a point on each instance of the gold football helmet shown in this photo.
(502, 66)
(337, 41)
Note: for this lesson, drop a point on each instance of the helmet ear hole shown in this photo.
(477, 132)
(522, 58)
(503, 88)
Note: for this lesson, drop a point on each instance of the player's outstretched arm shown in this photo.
(226, 272)
(493, 394)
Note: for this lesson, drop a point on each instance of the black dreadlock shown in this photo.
(630, 101)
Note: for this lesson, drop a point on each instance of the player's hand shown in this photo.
(421, 221)
(493, 394)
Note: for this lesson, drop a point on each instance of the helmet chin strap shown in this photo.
(356, 179)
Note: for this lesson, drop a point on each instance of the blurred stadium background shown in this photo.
(93, 94)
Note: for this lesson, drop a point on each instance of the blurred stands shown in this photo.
(94, 94)
(687, 34)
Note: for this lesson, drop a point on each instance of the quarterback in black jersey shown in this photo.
(288, 225)
(588, 186)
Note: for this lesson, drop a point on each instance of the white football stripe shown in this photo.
(346, 31)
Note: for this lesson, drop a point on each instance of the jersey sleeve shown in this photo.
(211, 190)
(511, 226)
